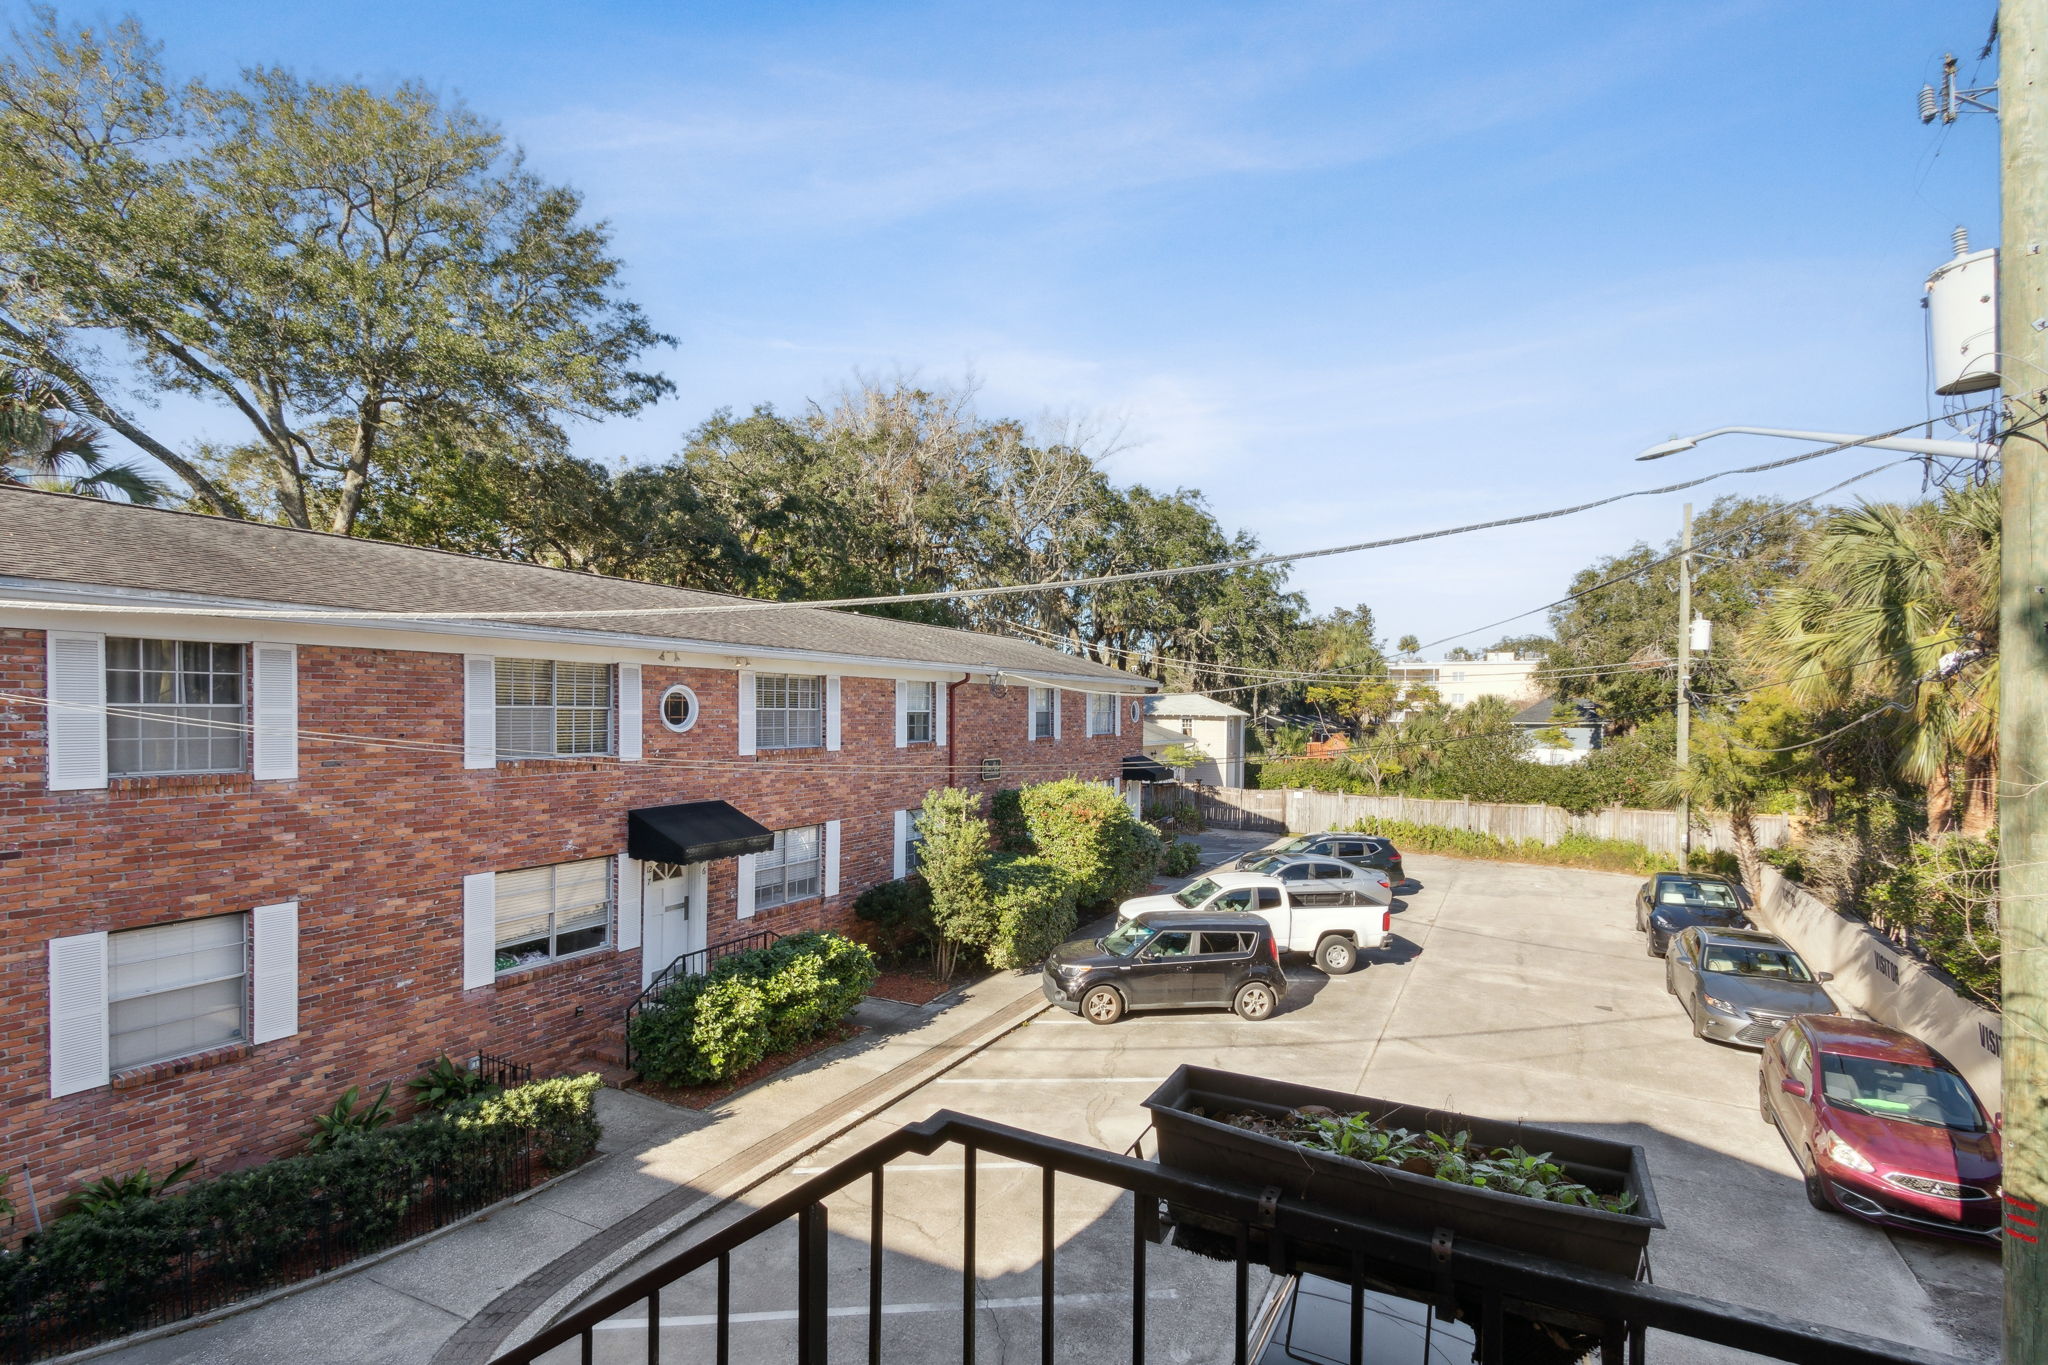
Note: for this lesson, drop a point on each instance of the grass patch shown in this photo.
(1574, 850)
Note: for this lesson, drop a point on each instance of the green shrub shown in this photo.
(1573, 850)
(1034, 910)
(1180, 859)
(1006, 821)
(346, 1117)
(444, 1083)
(1086, 830)
(901, 913)
(953, 859)
(706, 1029)
(1940, 899)
(98, 1275)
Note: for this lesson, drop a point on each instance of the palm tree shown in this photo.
(44, 445)
(1899, 608)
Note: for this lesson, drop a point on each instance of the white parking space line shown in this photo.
(859, 1310)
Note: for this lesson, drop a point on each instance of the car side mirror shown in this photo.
(1823, 976)
(1998, 1122)
(1792, 1087)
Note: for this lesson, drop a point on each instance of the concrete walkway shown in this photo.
(461, 1294)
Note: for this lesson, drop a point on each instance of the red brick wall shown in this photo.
(373, 844)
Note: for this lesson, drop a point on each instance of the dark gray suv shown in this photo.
(1161, 959)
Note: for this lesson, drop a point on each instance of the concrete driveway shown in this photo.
(1512, 991)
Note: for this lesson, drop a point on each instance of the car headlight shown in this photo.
(1836, 1150)
(1714, 1002)
(1661, 920)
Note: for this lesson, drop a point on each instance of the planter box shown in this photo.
(1595, 1238)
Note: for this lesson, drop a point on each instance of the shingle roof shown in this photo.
(56, 538)
(1190, 704)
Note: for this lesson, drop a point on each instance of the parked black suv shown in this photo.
(1360, 850)
(1166, 960)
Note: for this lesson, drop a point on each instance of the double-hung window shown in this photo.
(1101, 713)
(555, 911)
(174, 706)
(548, 709)
(792, 870)
(920, 706)
(175, 989)
(1041, 713)
(789, 712)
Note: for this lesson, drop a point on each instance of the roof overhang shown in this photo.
(694, 832)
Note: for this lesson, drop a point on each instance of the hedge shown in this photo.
(1086, 830)
(91, 1276)
(1034, 907)
(706, 1029)
(1573, 850)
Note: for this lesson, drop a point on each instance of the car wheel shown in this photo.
(1336, 956)
(1817, 1195)
(1255, 1001)
(1103, 1005)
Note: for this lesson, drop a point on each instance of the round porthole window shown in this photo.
(679, 708)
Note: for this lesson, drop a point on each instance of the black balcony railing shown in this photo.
(691, 964)
(1521, 1308)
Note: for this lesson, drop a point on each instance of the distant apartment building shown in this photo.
(1460, 682)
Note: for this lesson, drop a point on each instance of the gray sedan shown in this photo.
(1740, 985)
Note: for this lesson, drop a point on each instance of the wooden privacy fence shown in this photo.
(1304, 812)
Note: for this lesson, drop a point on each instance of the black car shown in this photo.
(1671, 902)
(1360, 850)
(1166, 960)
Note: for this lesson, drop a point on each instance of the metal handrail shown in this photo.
(681, 967)
(1626, 1309)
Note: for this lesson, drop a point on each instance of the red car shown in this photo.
(1883, 1127)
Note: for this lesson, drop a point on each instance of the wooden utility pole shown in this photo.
(2023, 677)
(1685, 682)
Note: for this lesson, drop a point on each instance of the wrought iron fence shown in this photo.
(1520, 1308)
(691, 964)
(502, 1072)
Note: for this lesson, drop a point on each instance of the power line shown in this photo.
(1049, 585)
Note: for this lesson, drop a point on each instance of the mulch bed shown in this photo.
(911, 986)
(704, 1096)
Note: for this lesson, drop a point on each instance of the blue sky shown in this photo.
(1350, 269)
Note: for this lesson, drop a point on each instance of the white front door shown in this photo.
(674, 897)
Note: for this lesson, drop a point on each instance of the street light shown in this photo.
(1964, 450)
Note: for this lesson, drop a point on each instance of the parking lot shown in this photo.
(1511, 991)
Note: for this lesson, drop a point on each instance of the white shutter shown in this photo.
(831, 857)
(275, 709)
(743, 868)
(1030, 713)
(901, 867)
(940, 692)
(832, 711)
(274, 985)
(78, 1013)
(628, 899)
(75, 686)
(479, 929)
(1116, 716)
(902, 714)
(747, 735)
(479, 711)
(1055, 713)
(629, 712)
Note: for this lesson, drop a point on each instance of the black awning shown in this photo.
(694, 832)
(1139, 768)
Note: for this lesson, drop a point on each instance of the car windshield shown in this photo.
(1899, 1090)
(1126, 939)
(1265, 864)
(1741, 959)
(1196, 891)
(1297, 845)
(1716, 895)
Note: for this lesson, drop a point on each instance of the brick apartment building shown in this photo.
(283, 812)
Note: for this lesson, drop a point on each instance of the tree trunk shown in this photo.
(1744, 830)
(1941, 801)
(1980, 796)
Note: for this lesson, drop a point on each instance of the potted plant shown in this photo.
(1538, 1190)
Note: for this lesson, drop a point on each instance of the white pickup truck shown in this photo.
(1329, 920)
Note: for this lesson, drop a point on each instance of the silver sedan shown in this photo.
(1740, 985)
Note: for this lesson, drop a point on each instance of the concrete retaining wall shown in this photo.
(1872, 977)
